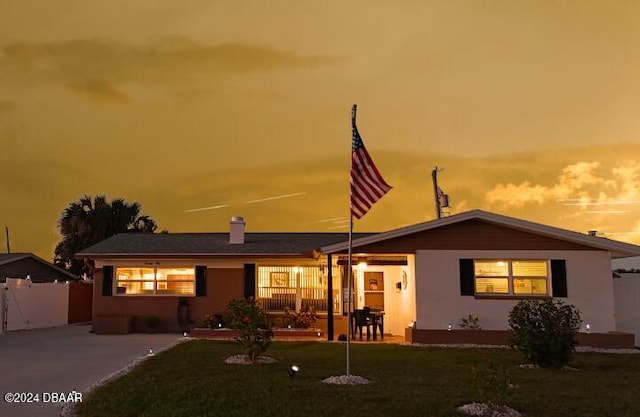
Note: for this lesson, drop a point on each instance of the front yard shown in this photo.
(193, 380)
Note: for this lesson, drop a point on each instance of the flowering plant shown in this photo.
(305, 318)
(253, 325)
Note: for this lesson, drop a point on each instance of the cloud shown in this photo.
(590, 195)
(103, 69)
(578, 181)
(99, 90)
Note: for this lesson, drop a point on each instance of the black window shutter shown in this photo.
(559, 277)
(467, 277)
(249, 280)
(201, 281)
(107, 281)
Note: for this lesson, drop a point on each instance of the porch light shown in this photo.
(293, 370)
(219, 325)
(295, 269)
(319, 334)
(362, 265)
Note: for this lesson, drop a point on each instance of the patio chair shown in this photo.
(361, 318)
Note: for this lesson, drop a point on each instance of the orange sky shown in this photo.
(531, 107)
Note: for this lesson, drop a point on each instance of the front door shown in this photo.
(374, 290)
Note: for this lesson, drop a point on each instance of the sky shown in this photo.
(202, 110)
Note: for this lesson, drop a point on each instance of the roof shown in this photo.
(617, 249)
(212, 244)
(8, 258)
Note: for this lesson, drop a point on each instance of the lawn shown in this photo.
(193, 380)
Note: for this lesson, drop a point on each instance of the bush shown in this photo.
(253, 324)
(304, 319)
(544, 331)
(493, 384)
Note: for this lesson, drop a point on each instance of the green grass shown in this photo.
(193, 380)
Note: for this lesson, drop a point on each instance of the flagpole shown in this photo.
(349, 266)
(350, 286)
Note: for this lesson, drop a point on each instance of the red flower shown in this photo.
(245, 320)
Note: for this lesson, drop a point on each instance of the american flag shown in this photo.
(367, 185)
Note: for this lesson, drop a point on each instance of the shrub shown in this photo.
(305, 318)
(253, 324)
(470, 322)
(493, 384)
(544, 331)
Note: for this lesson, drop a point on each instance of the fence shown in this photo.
(627, 301)
(28, 305)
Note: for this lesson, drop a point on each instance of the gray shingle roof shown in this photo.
(213, 244)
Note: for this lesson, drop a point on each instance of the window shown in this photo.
(511, 277)
(280, 287)
(155, 281)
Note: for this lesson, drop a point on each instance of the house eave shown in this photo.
(617, 249)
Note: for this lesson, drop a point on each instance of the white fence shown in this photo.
(627, 298)
(28, 305)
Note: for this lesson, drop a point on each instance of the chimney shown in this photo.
(592, 232)
(236, 234)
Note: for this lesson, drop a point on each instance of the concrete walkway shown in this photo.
(64, 360)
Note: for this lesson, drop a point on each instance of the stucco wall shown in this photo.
(439, 302)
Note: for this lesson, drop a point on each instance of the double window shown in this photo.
(155, 281)
(511, 277)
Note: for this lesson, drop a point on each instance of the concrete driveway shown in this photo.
(61, 360)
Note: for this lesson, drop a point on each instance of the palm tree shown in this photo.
(88, 221)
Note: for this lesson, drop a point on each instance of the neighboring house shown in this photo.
(23, 265)
(433, 273)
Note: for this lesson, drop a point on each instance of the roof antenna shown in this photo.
(441, 199)
(6, 229)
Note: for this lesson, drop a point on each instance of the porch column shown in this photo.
(329, 299)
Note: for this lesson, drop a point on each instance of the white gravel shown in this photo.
(480, 409)
(346, 380)
(244, 360)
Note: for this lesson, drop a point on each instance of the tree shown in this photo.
(91, 220)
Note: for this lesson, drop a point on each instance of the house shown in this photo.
(23, 265)
(429, 275)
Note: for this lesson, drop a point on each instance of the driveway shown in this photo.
(61, 360)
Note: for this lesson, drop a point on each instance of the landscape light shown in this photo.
(449, 327)
(588, 327)
(150, 352)
(293, 370)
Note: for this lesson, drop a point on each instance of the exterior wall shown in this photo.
(223, 285)
(627, 297)
(439, 302)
